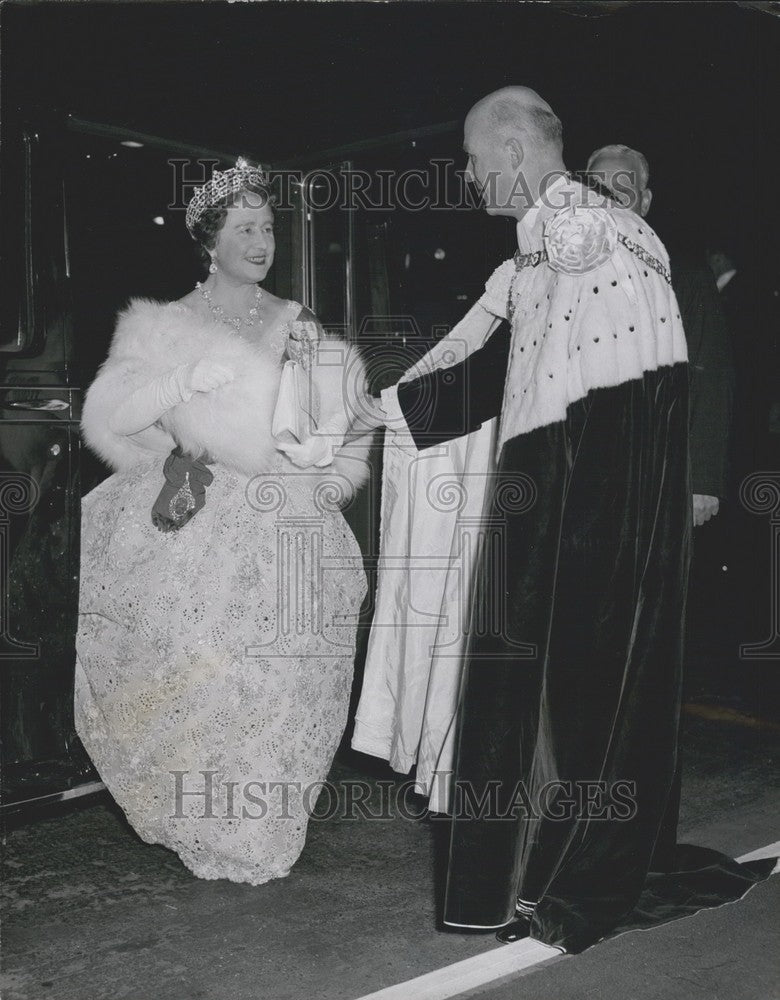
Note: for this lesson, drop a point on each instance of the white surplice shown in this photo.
(432, 506)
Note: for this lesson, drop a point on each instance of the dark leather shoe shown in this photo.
(515, 931)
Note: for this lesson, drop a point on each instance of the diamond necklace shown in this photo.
(235, 321)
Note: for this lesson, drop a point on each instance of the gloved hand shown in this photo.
(147, 404)
(205, 375)
(704, 507)
(319, 448)
(316, 450)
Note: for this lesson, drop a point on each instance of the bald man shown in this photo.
(711, 365)
(570, 698)
(561, 702)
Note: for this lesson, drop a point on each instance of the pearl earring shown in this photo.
(213, 265)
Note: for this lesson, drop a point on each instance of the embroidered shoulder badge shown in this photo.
(579, 239)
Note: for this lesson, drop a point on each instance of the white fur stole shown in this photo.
(231, 424)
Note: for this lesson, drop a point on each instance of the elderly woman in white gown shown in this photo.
(220, 583)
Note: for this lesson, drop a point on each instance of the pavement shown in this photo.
(92, 913)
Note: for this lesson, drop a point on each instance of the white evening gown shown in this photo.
(225, 647)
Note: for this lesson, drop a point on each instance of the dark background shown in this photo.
(693, 85)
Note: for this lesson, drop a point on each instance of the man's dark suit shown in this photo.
(711, 366)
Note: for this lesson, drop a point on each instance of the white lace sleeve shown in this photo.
(495, 298)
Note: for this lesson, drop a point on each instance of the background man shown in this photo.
(627, 172)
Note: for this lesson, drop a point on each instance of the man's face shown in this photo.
(620, 174)
(493, 166)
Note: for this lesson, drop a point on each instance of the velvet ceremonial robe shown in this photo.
(566, 781)
(593, 576)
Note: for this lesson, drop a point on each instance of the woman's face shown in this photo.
(245, 243)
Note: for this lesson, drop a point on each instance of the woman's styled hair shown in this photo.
(211, 220)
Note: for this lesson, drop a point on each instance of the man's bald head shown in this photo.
(518, 111)
(513, 140)
(626, 172)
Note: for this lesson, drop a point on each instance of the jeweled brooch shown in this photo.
(183, 500)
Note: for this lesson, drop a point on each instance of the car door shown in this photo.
(40, 402)
(92, 215)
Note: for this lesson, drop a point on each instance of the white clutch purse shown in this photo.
(293, 413)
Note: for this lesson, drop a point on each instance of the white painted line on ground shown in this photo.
(79, 790)
(453, 980)
(770, 851)
(53, 797)
(441, 984)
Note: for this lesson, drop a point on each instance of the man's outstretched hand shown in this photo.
(368, 417)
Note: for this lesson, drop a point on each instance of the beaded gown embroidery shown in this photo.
(225, 647)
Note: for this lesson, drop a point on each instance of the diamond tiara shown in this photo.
(223, 183)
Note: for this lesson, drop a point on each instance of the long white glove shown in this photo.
(147, 404)
(319, 448)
